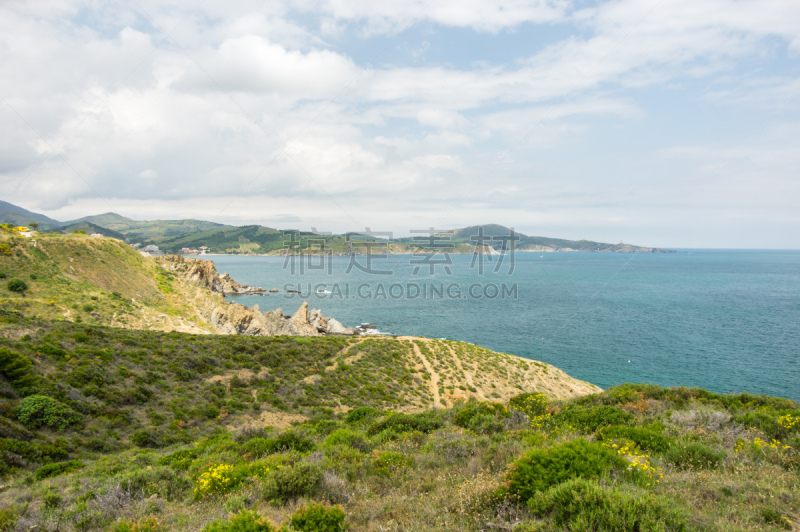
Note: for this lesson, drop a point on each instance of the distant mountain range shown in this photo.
(174, 235)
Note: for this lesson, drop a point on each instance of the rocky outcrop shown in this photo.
(238, 319)
(232, 318)
(204, 273)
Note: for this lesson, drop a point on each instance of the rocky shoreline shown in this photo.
(233, 318)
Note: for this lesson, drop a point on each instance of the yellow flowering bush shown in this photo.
(219, 478)
(533, 405)
(638, 461)
(789, 422)
(275, 462)
(773, 451)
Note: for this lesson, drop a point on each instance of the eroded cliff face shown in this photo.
(204, 273)
(232, 318)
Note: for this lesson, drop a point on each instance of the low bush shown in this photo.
(694, 455)
(286, 441)
(533, 405)
(17, 285)
(590, 419)
(583, 505)
(37, 410)
(241, 522)
(145, 524)
(157, 438)
(540, 469)
(58, 468)
(318, 518)
(161, 481)
(481, 417)
(361, 413)
(18, 369)
(218, 479)
(775, 424)
(32, 452)
(300, 480)
(8, 518)
(180, 460)
(346, 438)
(649, 438)
(425, 422)
(388, 463)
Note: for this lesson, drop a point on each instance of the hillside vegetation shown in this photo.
(98, 280)
(112, 429)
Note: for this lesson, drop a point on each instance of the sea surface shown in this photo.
(723, 320)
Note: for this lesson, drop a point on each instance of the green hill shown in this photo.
(18, 216)
(143, 230)
(89, 227)
(172, 235)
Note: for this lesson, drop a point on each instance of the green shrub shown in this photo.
(540, 469)
(241, 522)
(145, 524)
(648, 438)
(58, 468)
(37, 410)
(771, 516)
(361, 413)
(17, 285)
(589, 419)
(8, 518)
(32, 452)
(318, 518)
(694, 455)
(3, 275)
(18, 369)
(580, 505)
(388, 463)
(773, 423)
(346, 438)
(157, 438)
(531, 404)
(325, 426)
(425, 422)
(157, 480)
(180, 460)
(286, 441)
(299, 480)
(481, 417)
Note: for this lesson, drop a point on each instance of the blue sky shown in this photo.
(650, 122)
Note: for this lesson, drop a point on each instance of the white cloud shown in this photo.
(268, 100)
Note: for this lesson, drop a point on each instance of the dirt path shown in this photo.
(346, 360)
(467, 373)
(434, 384)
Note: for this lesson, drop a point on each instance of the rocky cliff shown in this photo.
(232, 318)
(204, 273)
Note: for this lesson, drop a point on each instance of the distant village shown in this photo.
(153, 251)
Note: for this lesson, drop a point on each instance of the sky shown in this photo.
(671, 123)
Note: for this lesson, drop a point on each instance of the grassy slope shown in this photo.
(96, 280)
(145, 398)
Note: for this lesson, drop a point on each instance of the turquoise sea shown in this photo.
(724, 320)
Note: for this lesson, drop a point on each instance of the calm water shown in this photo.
(727, 321)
